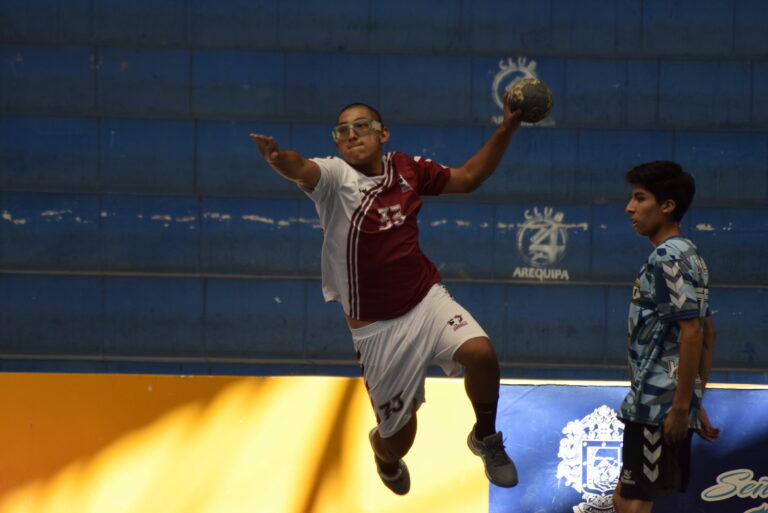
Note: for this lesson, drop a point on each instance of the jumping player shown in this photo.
(671, 339)
(402, 319)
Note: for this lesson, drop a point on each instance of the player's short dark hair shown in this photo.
(375, 112)
(666, 181)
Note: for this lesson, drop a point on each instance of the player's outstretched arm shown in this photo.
(482, 164)
(290, 164)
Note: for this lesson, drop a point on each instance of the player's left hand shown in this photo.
(675, 426)
(706, 431)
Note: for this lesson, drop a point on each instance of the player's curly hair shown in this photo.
(666, 180)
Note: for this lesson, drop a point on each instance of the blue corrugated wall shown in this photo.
(140, 227)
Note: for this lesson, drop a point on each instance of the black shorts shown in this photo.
(651, 468)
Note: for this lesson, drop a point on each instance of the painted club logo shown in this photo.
(542, 240)
(590, 457)
(510, 71)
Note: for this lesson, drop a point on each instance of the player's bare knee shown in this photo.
(476, 352)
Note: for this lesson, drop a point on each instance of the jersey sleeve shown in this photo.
(331, 169)
(432, 177)
(678, 291)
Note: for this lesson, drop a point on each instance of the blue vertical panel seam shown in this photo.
(626, 93)
(658, 93)
(751, 92)
(100, 192)
(91, 16)
(95, 70)
(102, 313)
(368, 32)
(606, 306)
(190, 81)
(204, 322)
(199, 228)
(494, 240)
(305, 317)
(591, 252)
(284, 63)
(195, 141)
(187, 30)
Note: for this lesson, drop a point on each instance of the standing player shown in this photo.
(671, 339)
(401, 318)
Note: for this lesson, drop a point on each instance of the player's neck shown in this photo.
(374, 168)
(664, 232)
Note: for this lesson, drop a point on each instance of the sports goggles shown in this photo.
(362, 126)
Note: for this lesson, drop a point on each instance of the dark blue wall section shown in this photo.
(727, 165)
(750, 19)
(150, 234)
(688, 27)
(415, 88)
(232, 85)
(116, 22)
(233, 24)
(250, 237)
(49, 153)
(49, 231)
(138, 223)
(255, 319)
(597, 27)
(142, 82)
(229, 164)
(51, 316)
(46, 79)
(153, 318)
(147, 156)
(58, 21)
(400, 26)
(319, 86)
(312, 24)
(704, 94)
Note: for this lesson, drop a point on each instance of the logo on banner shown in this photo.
(739, 484)
(542, 240)
(590, 457)
(510, 71)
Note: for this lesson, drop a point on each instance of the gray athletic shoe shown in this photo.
(499, 469)
(400, 482)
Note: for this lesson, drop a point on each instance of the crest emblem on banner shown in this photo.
(590, 457)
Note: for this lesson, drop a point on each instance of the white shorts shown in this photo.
(394, 354)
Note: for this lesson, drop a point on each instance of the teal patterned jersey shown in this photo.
(672, 285)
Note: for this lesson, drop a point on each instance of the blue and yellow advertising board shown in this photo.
(91, 443)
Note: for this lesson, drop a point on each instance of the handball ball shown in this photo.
(532, 97)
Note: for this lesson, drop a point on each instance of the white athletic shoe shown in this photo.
(400, 482)
(499, 468)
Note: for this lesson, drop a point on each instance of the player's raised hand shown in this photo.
(511, 117)
(266, 146)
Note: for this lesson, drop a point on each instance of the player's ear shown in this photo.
(384, 134)
(668, 206)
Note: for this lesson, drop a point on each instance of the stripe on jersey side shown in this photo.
(353, 236)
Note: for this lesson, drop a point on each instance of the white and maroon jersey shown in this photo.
(371, 261)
